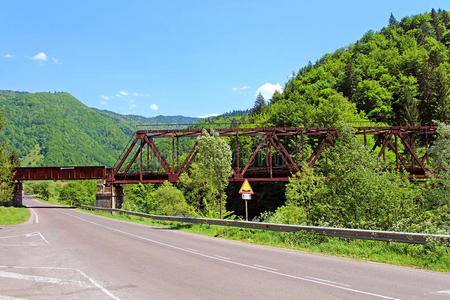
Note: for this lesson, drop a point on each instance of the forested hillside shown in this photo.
(54, 129)
(397, 76)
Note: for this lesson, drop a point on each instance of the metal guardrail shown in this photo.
(390, 236)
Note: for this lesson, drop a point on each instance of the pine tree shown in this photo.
(350, 82)
(392, 20)
(260, 104)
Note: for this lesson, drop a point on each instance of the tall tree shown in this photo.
(260, 104)
(392, 20)
(209, 175)
(6, 169)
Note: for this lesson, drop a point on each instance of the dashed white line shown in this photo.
(343, 284)
(235, 263)
(444, 292)
(222, 257)
(190, 249)
(264, 267)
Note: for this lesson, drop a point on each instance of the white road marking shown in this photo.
(10, 298)
(43, 279)
(444, 292)
(27, 235)
(14, 236)
(264, 267)
(190, 249)
(71, 269)
(35, 215)
(222, 257)
(233, 262)
(21, 245)
(42, 236)
(99, 286)
(328, 281)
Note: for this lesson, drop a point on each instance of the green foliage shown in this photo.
(208, 178)
(170, 201)
(397, 76)
(139, 197)
(357, 193)
(8, 161)
(437, 194)
(78, 192)
(165, 200)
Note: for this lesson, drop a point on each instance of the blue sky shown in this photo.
(192, 58)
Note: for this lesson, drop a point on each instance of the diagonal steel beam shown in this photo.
(158, 155)
(253, 155)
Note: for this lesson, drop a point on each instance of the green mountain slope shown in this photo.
(399, 75)
(56, 129)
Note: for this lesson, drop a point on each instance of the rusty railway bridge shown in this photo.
(259, 154)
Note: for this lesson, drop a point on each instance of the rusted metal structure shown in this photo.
(60, 173)
(275, 153)
(259, 154)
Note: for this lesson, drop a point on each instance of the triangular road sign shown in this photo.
(246, 188)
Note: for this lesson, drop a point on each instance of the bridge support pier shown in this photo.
(18, 194)
(109, 196)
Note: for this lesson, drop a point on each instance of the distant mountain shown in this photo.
(55, 129)
(134, 120)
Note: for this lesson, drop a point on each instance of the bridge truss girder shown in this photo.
(291, 147)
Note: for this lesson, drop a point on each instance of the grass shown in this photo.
(13, 215)
(431, 256)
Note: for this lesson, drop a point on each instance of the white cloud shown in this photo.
(131, 100)
(243, 88)
(122, 93)
(132, 105)
(104, 103)
(41, 56)
(154, 107)
(268, 89)
(104, 97)
(7, 55)
(208, 116)
(56, 61)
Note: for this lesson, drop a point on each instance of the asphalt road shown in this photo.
(66, 254)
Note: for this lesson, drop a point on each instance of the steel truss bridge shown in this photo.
(259, 154)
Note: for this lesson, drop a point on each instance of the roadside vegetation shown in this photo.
(13, 215)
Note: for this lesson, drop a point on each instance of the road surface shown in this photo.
(62, 253)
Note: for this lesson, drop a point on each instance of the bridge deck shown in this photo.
(60, 173)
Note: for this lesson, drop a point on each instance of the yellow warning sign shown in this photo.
(246, 188)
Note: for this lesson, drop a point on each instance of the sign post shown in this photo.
(246, 192)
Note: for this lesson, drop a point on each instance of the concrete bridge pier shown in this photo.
(18, 194)
(109, 196)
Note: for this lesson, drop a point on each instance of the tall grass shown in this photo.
(13, 215)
